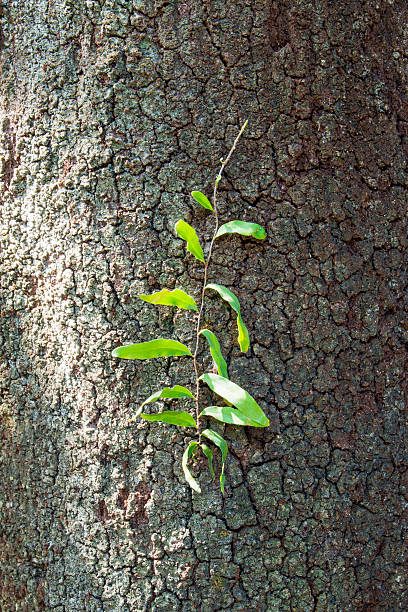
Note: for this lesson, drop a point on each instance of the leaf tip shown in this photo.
(202, 200)
(260, 233)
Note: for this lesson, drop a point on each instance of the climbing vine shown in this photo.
(241, 409)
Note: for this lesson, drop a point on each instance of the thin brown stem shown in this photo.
(206, 266)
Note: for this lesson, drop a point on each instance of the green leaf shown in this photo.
(231, 298)
(237, 396)
(226, 414)
(149, 350)
(169, 392)
(188, 233)
(186, 457)
(222, 445)
(166, 393)
(165, 297)
(202, 199)
(242, 227)
(174, 417)
(215, 351)
(209, 454)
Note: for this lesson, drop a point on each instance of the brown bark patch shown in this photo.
(278, 34)
(136, 511)
(102, 511)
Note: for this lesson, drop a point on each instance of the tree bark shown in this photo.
(112, 112)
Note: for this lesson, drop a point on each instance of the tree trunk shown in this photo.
(112, 112)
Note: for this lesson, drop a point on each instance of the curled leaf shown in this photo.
(149, 350)
(165, 297)
(222, 445)
(166, 393)
(227, 414)
(202, 199)
(188, 233)
(184, 463)
(176, 417)
(215, 351)
(237, 396)
(209, 454)
(242, 227)
(231, 298)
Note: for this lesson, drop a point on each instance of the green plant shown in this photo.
(241, 408)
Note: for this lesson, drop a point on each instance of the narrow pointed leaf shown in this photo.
(222, 445)
(237, 396)
(166, 393)
(174, 417)
(242, 227)
(149, 350)
(202, 199)
(188, 233)
(227, 414)
(165, 297)
(231, 298)
(209, 454)
(215, 351)
(184, 462)
(169, 392)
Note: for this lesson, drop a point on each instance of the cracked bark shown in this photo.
(112, 112)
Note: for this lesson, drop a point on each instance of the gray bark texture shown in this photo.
(112, 111)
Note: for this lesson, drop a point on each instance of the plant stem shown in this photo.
(206, 266)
